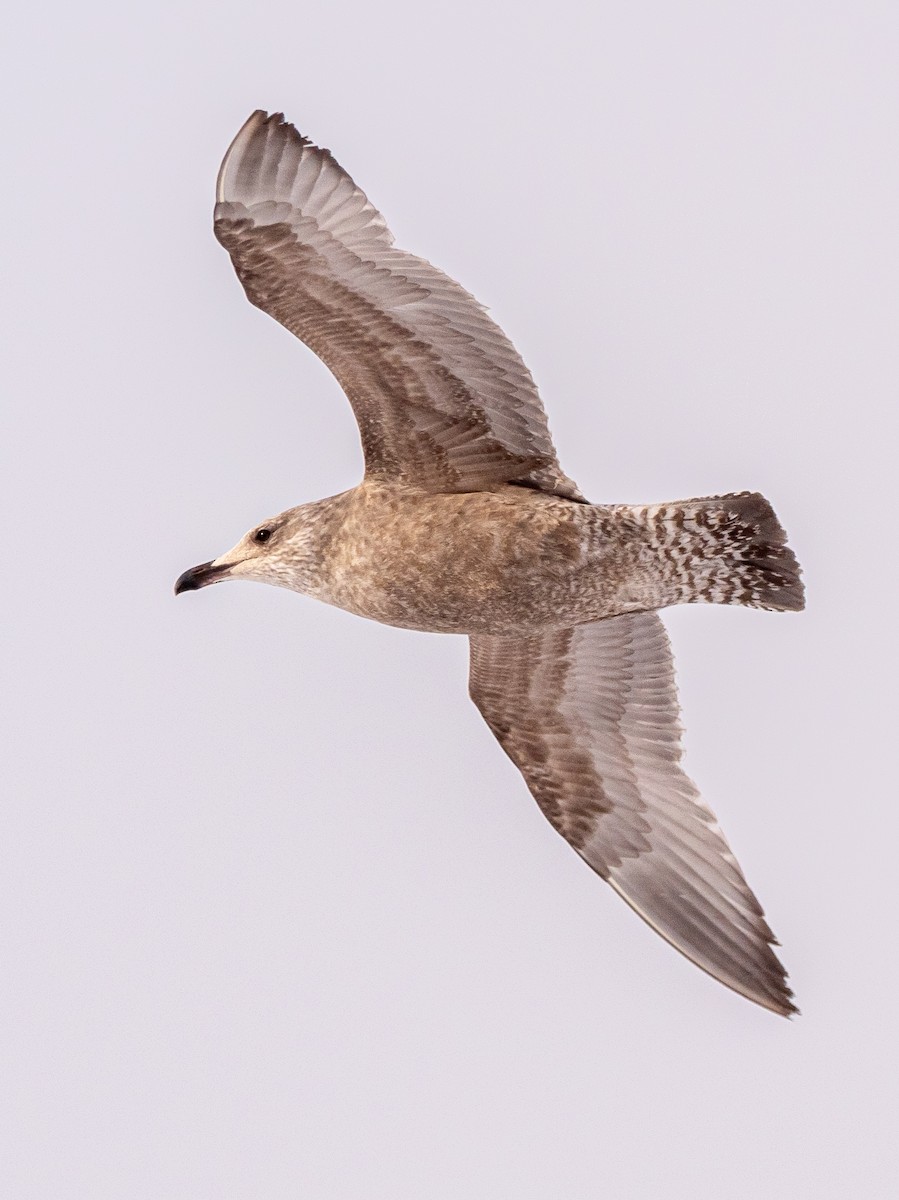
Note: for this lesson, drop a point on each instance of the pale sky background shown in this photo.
(279, 919)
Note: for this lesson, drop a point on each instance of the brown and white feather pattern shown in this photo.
(443, 400)
(717, 550)
(590, 717)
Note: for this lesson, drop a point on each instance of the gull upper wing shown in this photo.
(590, 717)
(443, 401)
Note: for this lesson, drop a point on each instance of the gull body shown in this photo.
(496, 562)
(466, 524)
(504, 562)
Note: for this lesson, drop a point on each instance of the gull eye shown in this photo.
(262, 535)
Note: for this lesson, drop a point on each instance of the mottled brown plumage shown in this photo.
(443, 400)
(466, 523)
(571, 708)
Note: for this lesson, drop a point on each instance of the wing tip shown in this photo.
(783, 1008)
(249, 127)
(256, 121)
(776, 995)
(768, 988)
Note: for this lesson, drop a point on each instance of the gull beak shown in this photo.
(201, 576)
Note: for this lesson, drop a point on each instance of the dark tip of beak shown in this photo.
(198, 577)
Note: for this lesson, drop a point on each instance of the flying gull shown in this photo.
(465, 523)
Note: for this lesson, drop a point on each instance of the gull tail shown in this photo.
(721, 550)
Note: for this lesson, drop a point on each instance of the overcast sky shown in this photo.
(279, 919)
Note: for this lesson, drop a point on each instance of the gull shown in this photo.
(465, 523)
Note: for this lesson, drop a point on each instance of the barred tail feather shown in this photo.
(723, 550)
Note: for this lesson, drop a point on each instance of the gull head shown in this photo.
(282, 550)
